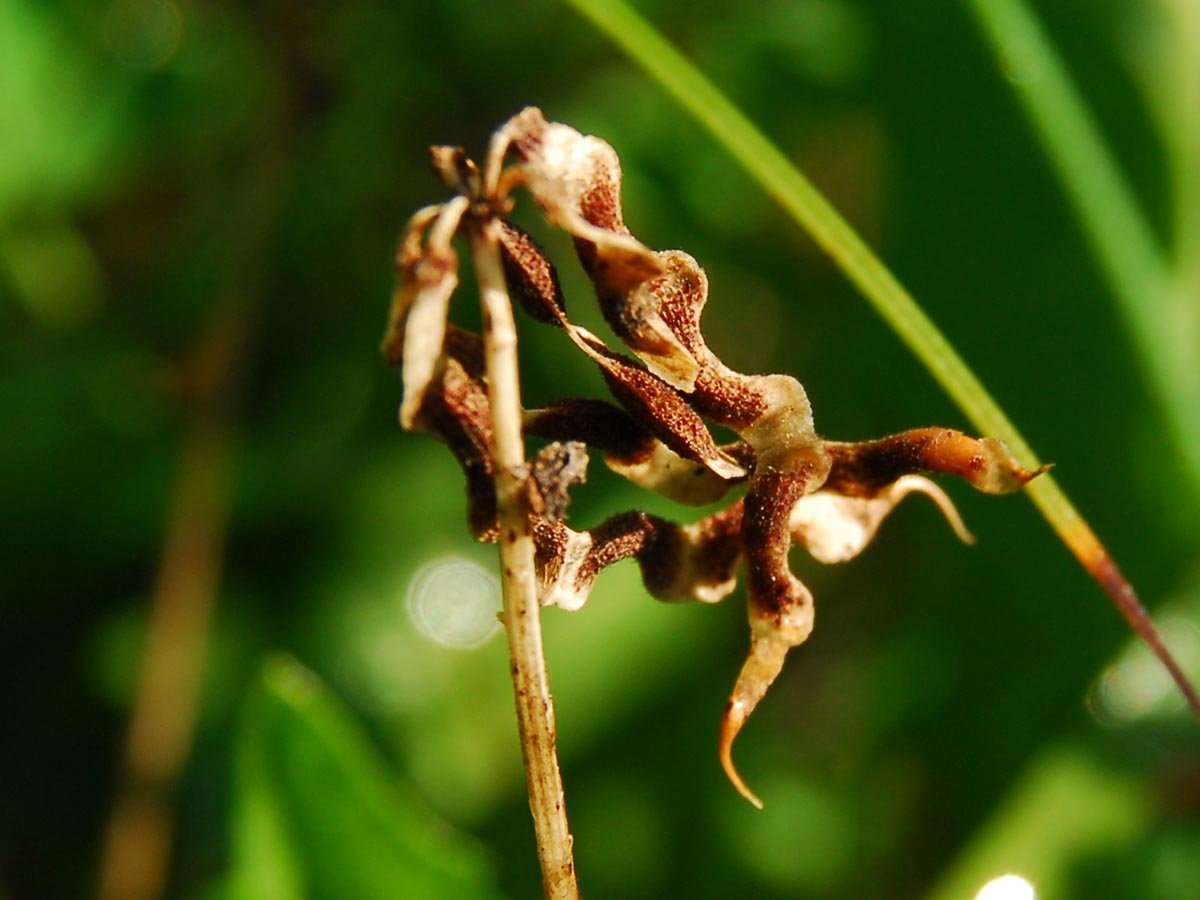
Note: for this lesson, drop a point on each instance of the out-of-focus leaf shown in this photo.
(1065, 807)
(60, 128)
(317, 814)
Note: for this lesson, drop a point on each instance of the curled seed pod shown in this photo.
(780, 606)
(576, 179)
(830, 496)
(663, 411)
(531, 277)
(678, 562)
(457, 411)
(863, 469)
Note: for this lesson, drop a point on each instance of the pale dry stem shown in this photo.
(138, 836)
(137, 842)
(535, 706)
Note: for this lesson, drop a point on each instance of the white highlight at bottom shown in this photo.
(1007, 887)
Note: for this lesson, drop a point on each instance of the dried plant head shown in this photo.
(828, 496)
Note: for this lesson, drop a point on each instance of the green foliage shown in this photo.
(941, 682)
(318, 814)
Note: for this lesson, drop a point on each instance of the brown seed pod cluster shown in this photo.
(830, 497)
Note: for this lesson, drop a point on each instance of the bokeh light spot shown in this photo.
(1007, 887)
(1137, 685)
(454, 602)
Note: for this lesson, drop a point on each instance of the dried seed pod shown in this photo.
(531, 277)
(661, 409)
(576, 179)
(863, 469)
(780, 606)
(596, 423)
(690, 562)
(830, 496)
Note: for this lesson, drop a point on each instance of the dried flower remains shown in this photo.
(828, 496)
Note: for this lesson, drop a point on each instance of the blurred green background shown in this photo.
(198, 207)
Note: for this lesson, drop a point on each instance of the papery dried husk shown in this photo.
(409, 253)
(835, 528)
(424, 324)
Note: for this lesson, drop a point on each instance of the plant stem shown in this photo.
(137, 841)
(763, 161)
(535, 706)
(136, 857)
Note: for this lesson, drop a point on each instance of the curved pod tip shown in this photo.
(731, 724)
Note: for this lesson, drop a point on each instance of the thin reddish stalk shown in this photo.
(1087, 548)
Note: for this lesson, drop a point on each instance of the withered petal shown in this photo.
(658, 317)
(424, 333)
(409, 253)
(835, 528)
(424, 323)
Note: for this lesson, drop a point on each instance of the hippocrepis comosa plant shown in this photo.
(830, 497)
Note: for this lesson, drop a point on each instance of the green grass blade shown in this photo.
(1131, 257)
(797, 195)
(804, 203)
